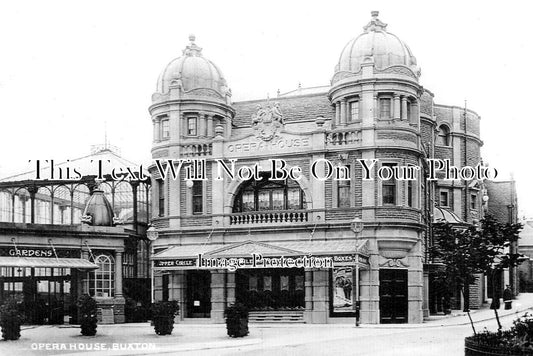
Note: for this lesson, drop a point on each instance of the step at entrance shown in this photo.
(281, 316)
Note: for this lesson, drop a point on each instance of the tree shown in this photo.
(468, 250)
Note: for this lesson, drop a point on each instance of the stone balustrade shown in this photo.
(269, 217)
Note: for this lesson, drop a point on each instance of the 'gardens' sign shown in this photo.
(38, 252)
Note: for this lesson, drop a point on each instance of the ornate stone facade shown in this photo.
(375, 109)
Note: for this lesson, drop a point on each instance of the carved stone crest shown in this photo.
(267, 121)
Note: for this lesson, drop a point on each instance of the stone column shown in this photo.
(118, 273)
(210, 126)
(337, 113)
(343, 112)
(396, 107)
(218, 301)
(404, 108)
(156, 130)
(228, 127)
(308, 296)
(202, 126)
(415, 113)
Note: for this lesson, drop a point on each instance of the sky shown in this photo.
(70, 71)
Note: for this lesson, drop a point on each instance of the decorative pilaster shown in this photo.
(376, 109)
(118, 274)
(218, 301)
(230, 287)
(308, 296)
(320, 296)
(396, 107)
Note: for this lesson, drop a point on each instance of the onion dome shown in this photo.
(98, 211)
(192, 71)
(375, 43)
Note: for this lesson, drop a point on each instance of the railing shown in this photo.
(342, 138)
(198, 149)
(269, 217)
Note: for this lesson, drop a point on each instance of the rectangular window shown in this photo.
(343, 189)
(473, 201)
(408, 111)
(165, 130)
(277, 199)
(389, 188)
(354, 111)
(197, 197)
(293, 198)
(248, 203)
(161, 190)
(191, 126)
(385, 108)
(263, 198)
(444, 198)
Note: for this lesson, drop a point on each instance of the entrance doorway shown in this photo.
(198, 294)
(45, 295)
(271, 289)
(393, 305)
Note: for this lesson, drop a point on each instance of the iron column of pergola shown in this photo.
(357, 226)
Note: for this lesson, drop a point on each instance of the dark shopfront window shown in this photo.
(271, 289)
(269, 195)
(45, 295)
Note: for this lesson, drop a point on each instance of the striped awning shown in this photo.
(40, 262)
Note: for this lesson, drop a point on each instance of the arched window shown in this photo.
(269, 195)
(102, 280)
(443, 138)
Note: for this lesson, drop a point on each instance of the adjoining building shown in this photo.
(502, 204)
(48, 258)
(375, 108)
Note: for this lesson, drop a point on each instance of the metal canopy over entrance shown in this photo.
(42, 262)
(342, 252)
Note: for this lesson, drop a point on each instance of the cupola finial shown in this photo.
(192, 49)
(375, 24)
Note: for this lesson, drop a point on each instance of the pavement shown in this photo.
(140, 338)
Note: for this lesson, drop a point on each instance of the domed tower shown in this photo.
(190, 109)
(192, 98)
(376, 93)
(376, 79)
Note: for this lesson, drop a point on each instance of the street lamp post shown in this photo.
(357, 227)
(152, 234)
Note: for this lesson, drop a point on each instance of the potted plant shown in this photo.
(237, 320)
(163, 314)
(10, 320)
(517, 341)
(88, 320)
